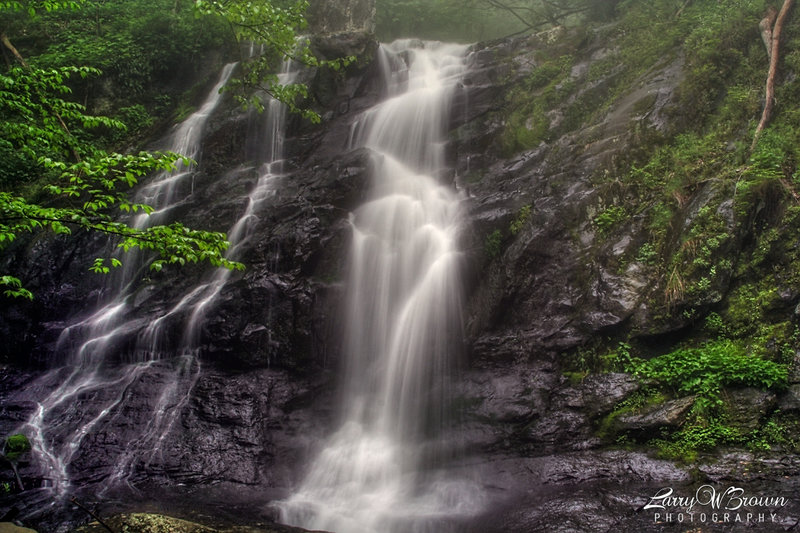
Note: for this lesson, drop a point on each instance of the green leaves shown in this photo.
(708, 368)
(15, 289)
(89, 185)
(33, 7)
(703, 374)
(100, 267)
(609, 218)
(278, 26)
(176, 244)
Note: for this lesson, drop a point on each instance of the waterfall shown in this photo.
(377, 473)
(200, 299)
(90, 392)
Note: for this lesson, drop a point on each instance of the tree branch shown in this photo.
(513, 12)
(7, 43)
(92, 514)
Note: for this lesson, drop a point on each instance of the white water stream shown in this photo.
(90, 392)
(378, 472)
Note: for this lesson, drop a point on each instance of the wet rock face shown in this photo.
(339, 16)
(270, 347)
(553, 282)
(260, 393)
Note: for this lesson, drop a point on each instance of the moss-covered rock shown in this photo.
(8, 527)
(157, 523)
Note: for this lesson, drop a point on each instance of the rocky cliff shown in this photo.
(571, 286)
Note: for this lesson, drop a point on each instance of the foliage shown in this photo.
(494, 244)
(478, 20)
(609, 218)
(620, 359)
(521, 219)
(535, 14)
(704, 161)
(527, 124)
(14, 447)
(55, 151)
(278, 25)
(140, 46)
(32, 7)
(685, 444)
(721, 219)
(705, 370)
(451, 20)
(781, 429)
(647, 254)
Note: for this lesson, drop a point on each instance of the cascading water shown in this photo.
(377, 472)
(91, 391)
(201, 297)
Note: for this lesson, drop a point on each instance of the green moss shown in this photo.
(576, 377)
(747, 305)
(494, 244)
(637, 402)
(728, 270)
(15, 446)
(704, 372)
(647, 254)
(694, 437)
(525, 128)
(544, 74)
(526, 121)
(781, 430)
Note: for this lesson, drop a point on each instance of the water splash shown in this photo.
(378, 473)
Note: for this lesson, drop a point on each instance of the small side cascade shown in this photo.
(381, 471)
(90, 393)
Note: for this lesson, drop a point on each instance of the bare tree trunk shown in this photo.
(7, 43)
(773, 70)
(16, 475)
(766, 25)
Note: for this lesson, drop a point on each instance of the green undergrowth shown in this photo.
(719, 214)
(496, 241)
(704, 191)
(718, 41)
(707, 374)
(147, 54)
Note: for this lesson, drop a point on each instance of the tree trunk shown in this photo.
(16, 475)
(773, 70)
(7, 43)
(765, 26)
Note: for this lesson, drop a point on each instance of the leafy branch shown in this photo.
(279, 28)
(87, 184)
